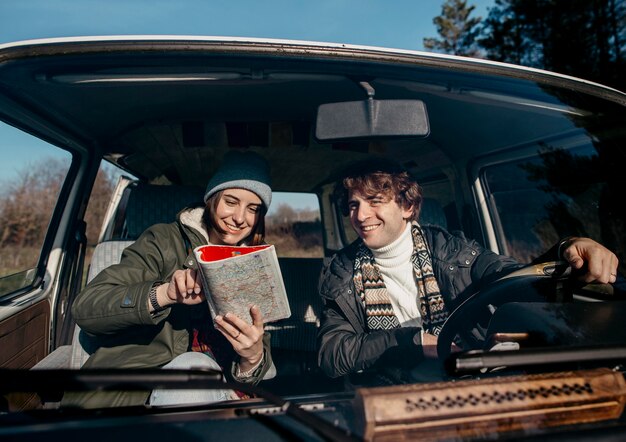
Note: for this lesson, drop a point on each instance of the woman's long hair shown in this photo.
(256, 237)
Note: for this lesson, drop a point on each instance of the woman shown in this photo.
(149, 310)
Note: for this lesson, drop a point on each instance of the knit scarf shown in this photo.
(370, 288)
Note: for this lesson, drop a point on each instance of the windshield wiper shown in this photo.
(479, 360)
(55, 382)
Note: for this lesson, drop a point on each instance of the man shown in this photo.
(388, 294)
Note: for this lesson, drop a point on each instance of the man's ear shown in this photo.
(407, 213)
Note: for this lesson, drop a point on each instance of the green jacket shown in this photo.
(114, 305)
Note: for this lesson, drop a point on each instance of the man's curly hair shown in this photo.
(380, 177)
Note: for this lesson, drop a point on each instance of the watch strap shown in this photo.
(152, 296)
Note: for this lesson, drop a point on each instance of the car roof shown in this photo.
(155, 105)
(112, 39)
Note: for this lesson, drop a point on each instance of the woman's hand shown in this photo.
(246, 339)
(184, 287)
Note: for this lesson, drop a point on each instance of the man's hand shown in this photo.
(429, 344)
(601, 263)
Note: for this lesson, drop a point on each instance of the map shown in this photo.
(235, 278)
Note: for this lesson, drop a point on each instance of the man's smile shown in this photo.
(369, 228)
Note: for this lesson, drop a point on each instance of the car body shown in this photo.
(515, 158)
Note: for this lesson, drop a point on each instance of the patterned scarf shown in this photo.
(370, 287)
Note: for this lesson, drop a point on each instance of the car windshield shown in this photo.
(116, 137)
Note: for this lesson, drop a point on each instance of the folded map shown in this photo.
(236, 277)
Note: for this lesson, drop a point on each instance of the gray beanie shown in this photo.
(242, 170)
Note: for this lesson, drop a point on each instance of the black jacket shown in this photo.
(345, 345)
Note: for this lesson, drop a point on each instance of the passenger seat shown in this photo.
(150, 204)
(147, 204)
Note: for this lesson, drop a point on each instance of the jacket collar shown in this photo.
(194, 219)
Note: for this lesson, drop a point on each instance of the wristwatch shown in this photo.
(152, 296)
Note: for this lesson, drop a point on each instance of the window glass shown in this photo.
(32, 173)
(439, 204)
(557, 193)
(293, 225)
(99, 200)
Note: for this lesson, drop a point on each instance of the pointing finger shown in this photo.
(197, 282)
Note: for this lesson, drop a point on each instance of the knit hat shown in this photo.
(242, 170)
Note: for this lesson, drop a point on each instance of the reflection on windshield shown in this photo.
(559, 193)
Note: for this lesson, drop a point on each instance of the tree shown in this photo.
(504, 37)
(284, 214)
(583, 38)
(457, 29)
(28, 203)
(98, 204)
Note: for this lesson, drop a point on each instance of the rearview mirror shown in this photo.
(371, 118)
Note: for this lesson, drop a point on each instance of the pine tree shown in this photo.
(457, 30)
(505, 37)
(583, 38)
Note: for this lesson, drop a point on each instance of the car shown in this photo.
(109, 135)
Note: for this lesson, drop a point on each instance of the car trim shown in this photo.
(73, 45)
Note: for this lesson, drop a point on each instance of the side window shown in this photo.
(99, 201)
(556, 193)
(293, 225)
(439, 204)
(32, 173)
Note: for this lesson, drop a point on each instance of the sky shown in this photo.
(401, 24)
(391, 23)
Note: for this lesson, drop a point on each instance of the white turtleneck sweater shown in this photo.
(394, 263)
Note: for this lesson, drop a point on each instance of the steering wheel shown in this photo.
(530, 283)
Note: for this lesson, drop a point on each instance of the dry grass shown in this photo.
(296, 239)
(289, 246)
(15, 259)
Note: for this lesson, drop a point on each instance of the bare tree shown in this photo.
(28, 203)
(98, 204)
(284, 214)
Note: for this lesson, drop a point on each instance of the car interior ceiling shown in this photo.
(245, 90)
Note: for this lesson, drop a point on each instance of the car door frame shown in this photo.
(34, 319)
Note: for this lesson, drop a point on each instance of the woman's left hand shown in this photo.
(246, 339)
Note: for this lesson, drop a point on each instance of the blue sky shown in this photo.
(399, 24)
